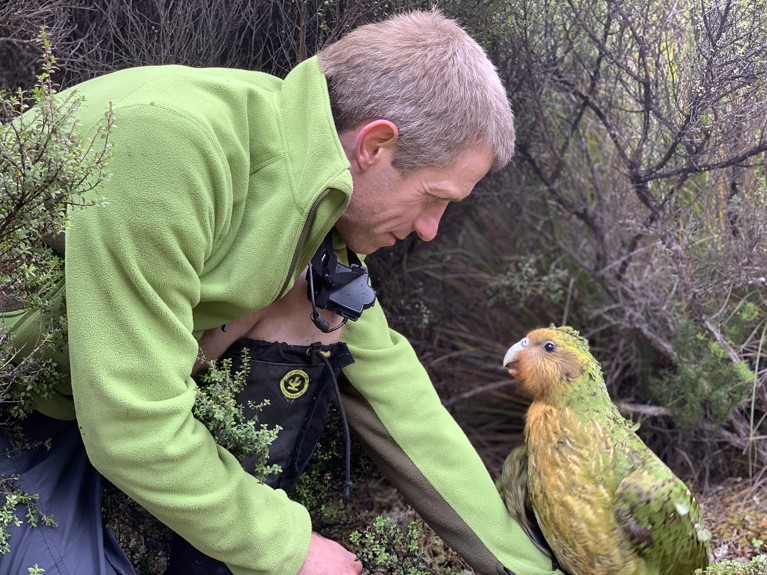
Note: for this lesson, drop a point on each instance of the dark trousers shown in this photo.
(69, 490)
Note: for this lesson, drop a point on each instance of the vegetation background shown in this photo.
(635, 211)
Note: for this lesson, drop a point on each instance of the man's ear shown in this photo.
(374, 141)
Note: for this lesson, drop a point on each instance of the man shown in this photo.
(225, 184)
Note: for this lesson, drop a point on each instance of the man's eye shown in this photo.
(550, 346)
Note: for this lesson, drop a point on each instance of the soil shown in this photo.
(736, 514)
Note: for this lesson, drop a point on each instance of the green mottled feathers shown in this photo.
(602, 501)
(512, 485)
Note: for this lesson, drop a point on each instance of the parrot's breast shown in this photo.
(572, 486)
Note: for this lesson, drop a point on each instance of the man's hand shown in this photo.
(327, 557)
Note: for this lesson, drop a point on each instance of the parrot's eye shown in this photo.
(549, 346)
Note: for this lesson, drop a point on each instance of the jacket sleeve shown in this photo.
(133, 271)
(393, 407)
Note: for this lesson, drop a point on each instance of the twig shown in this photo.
(649, 410)
(492, 386)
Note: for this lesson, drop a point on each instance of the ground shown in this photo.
(736, 514)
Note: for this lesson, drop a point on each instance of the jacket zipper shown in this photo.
(302, 239)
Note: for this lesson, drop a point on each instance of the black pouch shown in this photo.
(299, 387)
(300, 383)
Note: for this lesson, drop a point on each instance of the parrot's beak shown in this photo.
(511, 356)
(512, 352)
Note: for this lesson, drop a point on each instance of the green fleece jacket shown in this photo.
(224, 183)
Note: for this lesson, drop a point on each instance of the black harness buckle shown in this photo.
(344, 290)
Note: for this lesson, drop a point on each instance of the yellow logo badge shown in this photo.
(294, 384)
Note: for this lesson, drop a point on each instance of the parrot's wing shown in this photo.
(661, 519)
(512, 485)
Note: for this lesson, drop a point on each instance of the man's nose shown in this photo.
(427, 225)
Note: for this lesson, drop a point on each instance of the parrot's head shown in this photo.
(549, 361)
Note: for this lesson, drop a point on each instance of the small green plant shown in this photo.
(12, 497)
(217, 407)
(704, 385)
(403, 547)
(385, 548)
(757, 566)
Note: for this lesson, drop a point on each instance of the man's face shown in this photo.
(386, 206)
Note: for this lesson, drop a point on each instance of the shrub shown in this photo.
(704, 385)
(45, 169)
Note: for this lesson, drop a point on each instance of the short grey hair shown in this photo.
(423, 72)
